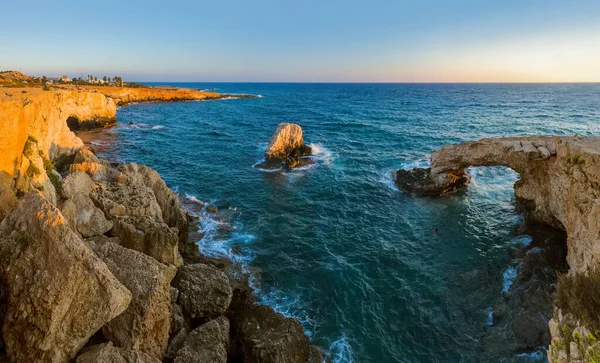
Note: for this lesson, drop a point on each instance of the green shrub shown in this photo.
(32, 171)
(55, 180)
(579, 294)
(28, 148)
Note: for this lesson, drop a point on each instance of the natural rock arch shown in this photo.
(559, 183)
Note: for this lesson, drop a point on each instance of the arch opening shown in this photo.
(73, 123)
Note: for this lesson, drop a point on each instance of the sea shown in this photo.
(336, 244)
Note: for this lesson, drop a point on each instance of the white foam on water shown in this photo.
(490, 318)
(340, 351)
(257, 164)
(387, 178)
(218, 245)
(524, 240)
(158, 127)
(537, 356)
(320, 153)
(508, 277)
(408, 165)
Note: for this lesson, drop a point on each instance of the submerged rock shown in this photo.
(145, 324)
(60, 292)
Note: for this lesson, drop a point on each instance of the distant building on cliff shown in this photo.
(65, 79)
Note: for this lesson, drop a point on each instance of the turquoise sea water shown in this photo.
(336, 244)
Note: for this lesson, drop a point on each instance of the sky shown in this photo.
(305, 41)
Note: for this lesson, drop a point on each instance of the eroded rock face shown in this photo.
(107, 353)
(207, 343)
(60, 292)
(287, 145)
(204, 290)
(262, 335)
(145, 324)
(85, 217)
(138, 219)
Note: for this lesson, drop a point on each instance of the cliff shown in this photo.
(559, 185)
(96, 263)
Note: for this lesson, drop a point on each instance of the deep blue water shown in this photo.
(337, 245)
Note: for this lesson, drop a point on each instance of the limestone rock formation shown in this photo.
(85, 217)
(172, 212)
(207, 343)
(204, 290)
(287, 145)
(145, 324)
(107, 353)
(75, 183)
(60, 293)
(138, 218)
(262, 335)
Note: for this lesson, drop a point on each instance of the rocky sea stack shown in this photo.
(287, 147)
(96, 259)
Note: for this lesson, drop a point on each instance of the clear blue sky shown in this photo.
(341, 40)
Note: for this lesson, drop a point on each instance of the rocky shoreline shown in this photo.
(97, 262)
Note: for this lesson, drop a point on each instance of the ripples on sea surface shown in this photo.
(338, 246)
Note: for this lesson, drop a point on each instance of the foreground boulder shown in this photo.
(207, 343)
(138, 219)
(60, 293)
(145, 324)
(262, 335)
(204, 290)
(107, 353)
(85, 217)
(287, 145)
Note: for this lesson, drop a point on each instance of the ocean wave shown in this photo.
(158, 127)
(387, 178)
(523, 240)
(508, 278)
(408, 165)
(340, 351)
(230, 244)
(539, 355)
(321, 153)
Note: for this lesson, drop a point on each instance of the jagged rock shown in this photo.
(152, 238)
(75, 183)
(99, 170)
(145, 324)
(60, 293)
(85, 217)
(419, 181)
(287, 142)
(107, 353)
(212, 209)
(175, 344)
(207, 343)
(204, 290)
(172, 212)
(138, 220)
(262, 335)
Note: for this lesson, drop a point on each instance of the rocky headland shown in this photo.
(558, 187)
(96, 259)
